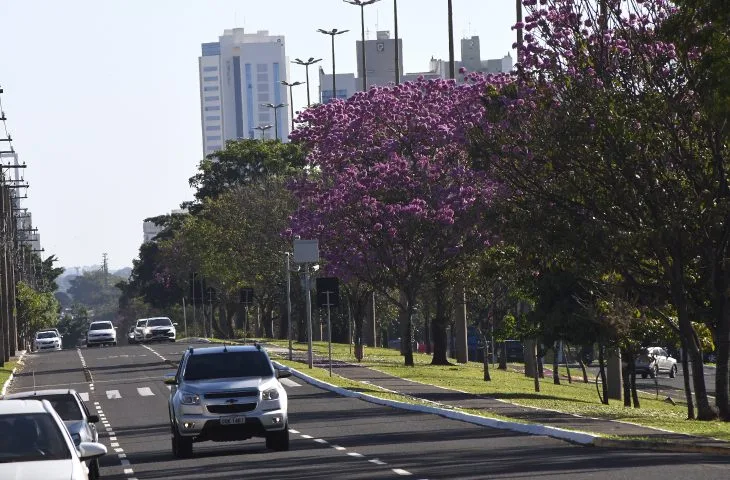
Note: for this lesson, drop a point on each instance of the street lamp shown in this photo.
(332, 34)
(397, 53)
(450, 15)
(306, 64)
(263, 129)
(362, 4)
(276, 117)
(291, 98)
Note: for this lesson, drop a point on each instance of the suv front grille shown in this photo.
(234, 394)
(234, 408)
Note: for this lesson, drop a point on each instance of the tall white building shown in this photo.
(239, 75)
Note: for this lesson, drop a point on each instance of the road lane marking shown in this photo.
(306, 436)
(338, 448)
(289, 383)
(355, 454)
(114, 444)
(291, 430)
(377, 462)
(128, 471)
(125, 462)
(145, 391)
(321, 440)
(113, 394)
(400, 471)
(84, 396)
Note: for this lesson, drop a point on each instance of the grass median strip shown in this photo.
(576, 398)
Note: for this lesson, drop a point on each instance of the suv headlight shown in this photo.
(189, 398)
(270, 394)
(147, 331)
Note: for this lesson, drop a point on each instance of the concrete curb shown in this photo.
(580, 438)
(12, 374)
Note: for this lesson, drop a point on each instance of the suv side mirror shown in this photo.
(170, 379)
(93, 418)
(283, 373)
(175, 324)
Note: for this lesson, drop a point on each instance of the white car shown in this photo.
(47, 340)
(155, 328)
(101, 333)
(655, 360)
(34, 443)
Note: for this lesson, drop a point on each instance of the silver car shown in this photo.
(224, 394)
(72, 410)
(655, 360)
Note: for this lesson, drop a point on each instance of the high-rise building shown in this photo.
(239, 75)
(380, 63)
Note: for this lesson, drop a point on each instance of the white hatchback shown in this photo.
(47, 340)
(101, 333)
(34, 443)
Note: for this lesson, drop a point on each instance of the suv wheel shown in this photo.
(673, 371)
(181, 447)
(278, 441)
(644, 375)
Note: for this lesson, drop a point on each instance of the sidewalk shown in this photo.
(447, 399)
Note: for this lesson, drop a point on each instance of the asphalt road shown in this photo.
(331, 437)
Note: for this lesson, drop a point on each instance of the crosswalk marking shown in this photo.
(113, 394)
(289, 383)
(84, 396)
(145, 391)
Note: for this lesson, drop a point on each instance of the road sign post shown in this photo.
(306, 252)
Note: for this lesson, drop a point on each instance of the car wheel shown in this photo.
(278, 441)
(114, 344)
(673, 371)
(181, 447)
(644, 375)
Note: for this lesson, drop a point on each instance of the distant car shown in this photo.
(655, 360)
(101, 333)
(72, 410)
(227, 393)
(47, 340)
(130, 336)
(34, 443)
(513, 349)
(155, 329)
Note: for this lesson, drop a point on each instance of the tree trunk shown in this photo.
(583, 368)
(626, 376)
(722, 395)
(438, 329)
(634, 392)
(602, 374)
(556, 364)
(537, 366)
(407, 336)
(538, 360)
(567, 362)
(503, 357)
(485, 349)
(687, 382)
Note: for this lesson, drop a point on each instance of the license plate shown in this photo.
(233, 420)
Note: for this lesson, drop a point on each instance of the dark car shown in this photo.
(512, 348)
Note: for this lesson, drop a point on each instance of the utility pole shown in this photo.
(105, 268)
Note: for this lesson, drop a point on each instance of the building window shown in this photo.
(262, 67)
(327, 95)
(264, 117)
(210, 89)
(211, 49)
(263, 87)
(263, 97)
(212, 137)
(213, 128)
(262, 77)
(210, 69)
(214, 108)
(211, 79)
(213, 118)
(213, 98)
(213, 148)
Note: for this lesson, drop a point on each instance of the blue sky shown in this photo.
(102, 96)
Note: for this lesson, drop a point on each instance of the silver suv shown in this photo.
(224, 394)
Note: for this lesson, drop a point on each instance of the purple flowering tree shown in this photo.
(391, 197)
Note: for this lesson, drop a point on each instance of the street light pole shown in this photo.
(452, 71)
(306, 64)
(362, 4)
(291, 98)
(288, 301)
(307, 283)
(332, 34)
(276, 117)
(397, 53)
(262, 129)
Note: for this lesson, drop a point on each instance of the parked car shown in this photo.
(47, 340)
(101, 333)
(227, 393)
(35, 443)
(75, 415)
(655, 360)
(513, 349)
(155, 329)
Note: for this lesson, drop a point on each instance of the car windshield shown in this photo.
(30, 437)
(159, 322)
(140, 323)
(101, 326)
(46, 335)
(64, 404)
(227, 365)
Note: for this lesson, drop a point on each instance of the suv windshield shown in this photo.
(101, 326)
(46, 335)
(227, 365)
(159, 322)
(31, 437)
(140, 323)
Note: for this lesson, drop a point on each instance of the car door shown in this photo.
(662, 360)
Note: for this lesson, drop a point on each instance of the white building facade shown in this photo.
(239, 75)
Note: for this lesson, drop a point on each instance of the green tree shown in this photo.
(35, 310)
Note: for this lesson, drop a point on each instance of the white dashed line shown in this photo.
(320, 440)
(355, 454)
(338, 448)
(145, 392)
(128, 471)
(306, 436)
(400, 471)
(119, 450)
(377, 462)
(291, 430)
